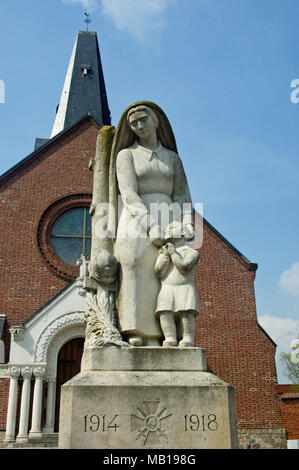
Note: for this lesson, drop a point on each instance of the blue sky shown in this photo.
(222, 71)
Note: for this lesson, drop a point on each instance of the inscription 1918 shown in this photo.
(204, 423)
(192, 422)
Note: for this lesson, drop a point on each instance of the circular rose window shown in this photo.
(64, 234)
(71, 235)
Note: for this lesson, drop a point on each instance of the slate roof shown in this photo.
(87, 93)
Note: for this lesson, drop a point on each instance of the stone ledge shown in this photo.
(47, 441)
(144, 359)
(138, 379)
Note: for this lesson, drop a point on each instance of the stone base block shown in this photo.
(144, 359)
(149, 399)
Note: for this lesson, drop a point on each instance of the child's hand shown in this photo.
(170, 248)
(164, 251)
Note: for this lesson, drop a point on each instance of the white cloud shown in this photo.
(87, 4)
(139, 17)
(283, 331)
(289, 280)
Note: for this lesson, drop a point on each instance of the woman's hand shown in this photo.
(155, 235)
(188, 231)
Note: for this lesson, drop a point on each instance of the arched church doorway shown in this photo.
(68, 365)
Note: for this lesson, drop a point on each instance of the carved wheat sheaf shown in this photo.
(101, 327)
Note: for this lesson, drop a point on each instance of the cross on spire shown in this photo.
(87, 20)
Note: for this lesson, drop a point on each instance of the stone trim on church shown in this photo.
(34, 352)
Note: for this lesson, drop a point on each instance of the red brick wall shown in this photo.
(237, 349)
(289, 399)
(4, 391)
(60, 171)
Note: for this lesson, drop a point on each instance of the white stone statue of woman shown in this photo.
(144, 169)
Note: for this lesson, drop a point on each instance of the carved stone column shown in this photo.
(14, 373)
(50, 413)
(25, 403)
(35, 431)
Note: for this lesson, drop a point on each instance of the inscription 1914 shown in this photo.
(97, 423)
(192, 422)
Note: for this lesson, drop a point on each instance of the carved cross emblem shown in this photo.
(151, 423)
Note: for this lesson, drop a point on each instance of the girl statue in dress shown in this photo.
(146, 171)
(177, 303)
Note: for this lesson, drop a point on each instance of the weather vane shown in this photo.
(87, 20)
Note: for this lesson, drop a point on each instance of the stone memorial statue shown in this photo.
(138, 175)
(142, 382)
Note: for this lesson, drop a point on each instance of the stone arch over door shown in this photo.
(55, 334)
(65, 328)
(73, 326)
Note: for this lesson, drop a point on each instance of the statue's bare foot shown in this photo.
(187, 342)
(170, 343)
(135, 340)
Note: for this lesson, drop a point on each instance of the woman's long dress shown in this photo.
(144, 177)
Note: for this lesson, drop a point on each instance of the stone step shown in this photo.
(48, 440)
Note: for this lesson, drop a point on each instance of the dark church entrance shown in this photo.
(68, 365)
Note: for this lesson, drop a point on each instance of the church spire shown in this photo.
(84, 90)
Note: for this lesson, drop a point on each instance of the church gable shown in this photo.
(56, 175)
(238, 349)
(225, 285)
(68, 144)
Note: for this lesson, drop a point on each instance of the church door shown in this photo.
(68, 365)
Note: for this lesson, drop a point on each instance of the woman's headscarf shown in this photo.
(124, 137)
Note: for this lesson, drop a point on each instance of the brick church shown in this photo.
(46, 226)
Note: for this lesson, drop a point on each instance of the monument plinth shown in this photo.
(145, 398)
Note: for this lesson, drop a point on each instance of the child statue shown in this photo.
(177, 299)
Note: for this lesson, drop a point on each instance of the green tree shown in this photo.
(291, 362)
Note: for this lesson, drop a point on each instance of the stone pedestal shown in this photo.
(146, 398)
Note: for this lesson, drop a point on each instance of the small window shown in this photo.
(71, 235)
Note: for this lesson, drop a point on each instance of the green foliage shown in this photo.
(291, 363)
